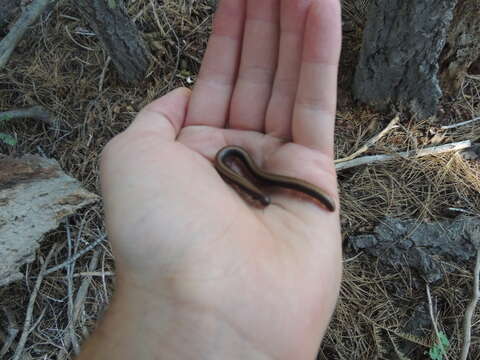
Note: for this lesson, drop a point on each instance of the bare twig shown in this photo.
(430, 309)
(82, 291)
(12, 332)
(104, 282)
(34, 112)
(434, 322)
(467, 321)
(446, 127)
(76, 256)
(31, 303)
(372, 141)
(28, 17)
(141, 12)
(474, 77)
(463, 211)
(67, 31)
(157, 19)
(104, 72)
(321, 356)
(179, 51)
(435, 150)
(70, 333)
(70, 338)
(42, 314)
(94, 273)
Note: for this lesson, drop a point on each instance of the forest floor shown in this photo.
(61, 66)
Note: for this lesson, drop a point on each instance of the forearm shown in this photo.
(135, 327)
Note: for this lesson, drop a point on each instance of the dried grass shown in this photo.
(61, 67)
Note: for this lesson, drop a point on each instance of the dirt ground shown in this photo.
(62, 67)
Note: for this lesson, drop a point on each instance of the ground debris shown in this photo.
(422, 246)
(35, 195)
(473, 153)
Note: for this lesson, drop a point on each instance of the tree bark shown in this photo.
(35, 196)
(8, 9)
(463, 45)
(398, 63)
(120, 37)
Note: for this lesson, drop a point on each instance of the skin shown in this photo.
(202, 274)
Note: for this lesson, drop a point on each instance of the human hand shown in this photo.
(210, 275)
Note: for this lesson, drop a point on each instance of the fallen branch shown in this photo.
(446, 127)
(372, 141)
(435, 150)
(34, 112)
(467, 321)
(28, 17)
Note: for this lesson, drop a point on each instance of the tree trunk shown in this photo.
(399, 59)
(8, 8)
(120, 37)
(463, 45)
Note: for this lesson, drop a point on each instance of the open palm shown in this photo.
(269, 275)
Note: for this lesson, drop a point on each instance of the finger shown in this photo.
(314, 112)
(257, 67)
(280, 107)
(164, 116)
(212, 93)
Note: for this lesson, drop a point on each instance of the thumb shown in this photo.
(164, 116)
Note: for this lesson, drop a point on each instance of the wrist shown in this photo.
(140, 325)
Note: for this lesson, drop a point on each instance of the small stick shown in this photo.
(82, 291)
(104, 72)
(82, 294)
(28, 17)
(94, 273)
(104, 282)
(141, 12)
(12, 332)
(467, 321)
(463, 211)
(435, 150)
(31, 303)
(70, 333)
(392, 125)
(76, 256)
(434, 322)
(70, 338)
(446, 127)
(34, 112)
(157, 19)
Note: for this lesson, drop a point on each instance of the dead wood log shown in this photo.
(119, 36)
